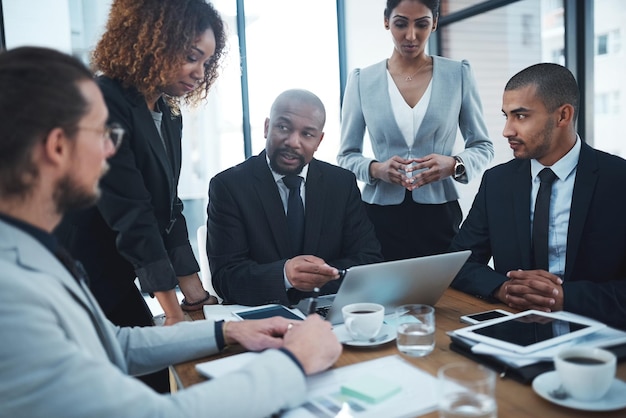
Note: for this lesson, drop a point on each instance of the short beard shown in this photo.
(278, 169)
(69, 196)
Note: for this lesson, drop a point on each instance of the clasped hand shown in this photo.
(532, 289)
(397, 170)
(311, 341)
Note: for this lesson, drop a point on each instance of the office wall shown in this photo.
(37, 22)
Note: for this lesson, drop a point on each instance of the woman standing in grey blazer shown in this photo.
(412, 105)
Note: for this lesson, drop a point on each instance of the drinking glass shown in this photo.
(467, 390)
(415, 325)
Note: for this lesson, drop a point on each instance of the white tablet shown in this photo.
(530, 330)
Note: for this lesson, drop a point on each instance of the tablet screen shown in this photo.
(529, 329)
(267, 312)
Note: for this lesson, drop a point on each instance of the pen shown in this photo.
(313, 301)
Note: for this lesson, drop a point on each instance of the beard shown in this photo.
(70, 195)
(282, 170)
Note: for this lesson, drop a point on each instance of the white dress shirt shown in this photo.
(560, 203)
(283, 190)
(409, 119)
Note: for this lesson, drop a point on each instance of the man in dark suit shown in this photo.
(252, 252)
(585, 269)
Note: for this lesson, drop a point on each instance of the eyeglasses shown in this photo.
(113, 132)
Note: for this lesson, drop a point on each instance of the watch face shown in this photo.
(459, 169)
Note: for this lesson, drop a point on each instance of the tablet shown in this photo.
(530, 330)
(268, 311)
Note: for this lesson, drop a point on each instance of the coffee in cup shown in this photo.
(586, 373)
(363, 320)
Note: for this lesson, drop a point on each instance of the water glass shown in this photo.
(467, 390)
(415, 325)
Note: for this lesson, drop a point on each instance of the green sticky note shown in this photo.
(371, 389)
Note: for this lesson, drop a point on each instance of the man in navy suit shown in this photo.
(586, 257)
(249, 244)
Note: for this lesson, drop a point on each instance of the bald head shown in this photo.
(304, 97)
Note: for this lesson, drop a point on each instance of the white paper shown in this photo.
(324, 398)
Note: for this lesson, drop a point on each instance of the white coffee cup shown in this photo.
(586, 373)
(363, 320)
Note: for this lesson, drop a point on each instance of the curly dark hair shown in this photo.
(146, 42)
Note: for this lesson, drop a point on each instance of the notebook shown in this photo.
(392, 283)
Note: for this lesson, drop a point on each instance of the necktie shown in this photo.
(542, 219)
(295, 212)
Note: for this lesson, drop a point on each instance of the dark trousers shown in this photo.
(131, 311)
(413, 229)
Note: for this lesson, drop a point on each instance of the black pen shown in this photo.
(313, 301)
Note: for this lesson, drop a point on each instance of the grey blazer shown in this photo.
(60, 356)
(454, 103)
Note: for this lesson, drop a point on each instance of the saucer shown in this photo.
(387, 333)
(614, 399)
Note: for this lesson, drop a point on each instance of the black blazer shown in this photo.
(248, 240)
(137, 228)
(498, 226)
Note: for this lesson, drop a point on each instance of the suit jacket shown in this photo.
(498, 226)
(137, 228)
(61, 357)
(454, 104)
(248, 239)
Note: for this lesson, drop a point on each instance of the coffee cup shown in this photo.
(586, 373)
(363, 320)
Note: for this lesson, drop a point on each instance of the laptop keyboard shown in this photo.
(322, 311)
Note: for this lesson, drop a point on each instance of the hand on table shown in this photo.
(311, 341)
(532, 289)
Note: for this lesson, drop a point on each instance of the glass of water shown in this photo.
(467, 390)
(415, 325)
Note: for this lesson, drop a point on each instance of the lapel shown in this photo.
(171, 133)
(314, 211)
(267, 192)
(374, 88)
(31, 255)
(521, 211)
(584, 185)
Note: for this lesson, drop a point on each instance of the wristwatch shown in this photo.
(459, 168)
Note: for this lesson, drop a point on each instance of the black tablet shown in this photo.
(529, 331)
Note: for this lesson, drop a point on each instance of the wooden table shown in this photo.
(514, 399)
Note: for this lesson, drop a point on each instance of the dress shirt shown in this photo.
(560, 203)
(283, 190)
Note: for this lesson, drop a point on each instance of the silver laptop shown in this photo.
(392, 283)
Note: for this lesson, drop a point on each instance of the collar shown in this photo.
(562, 168)
(45, 238)
(303, 173)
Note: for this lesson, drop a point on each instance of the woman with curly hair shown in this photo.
(153, 56)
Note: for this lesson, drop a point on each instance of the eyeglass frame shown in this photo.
(112, 131)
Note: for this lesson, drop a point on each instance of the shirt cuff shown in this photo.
(288, 284)
(293, 358)
(219, 335)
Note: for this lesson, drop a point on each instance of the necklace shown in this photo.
(410, 77)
